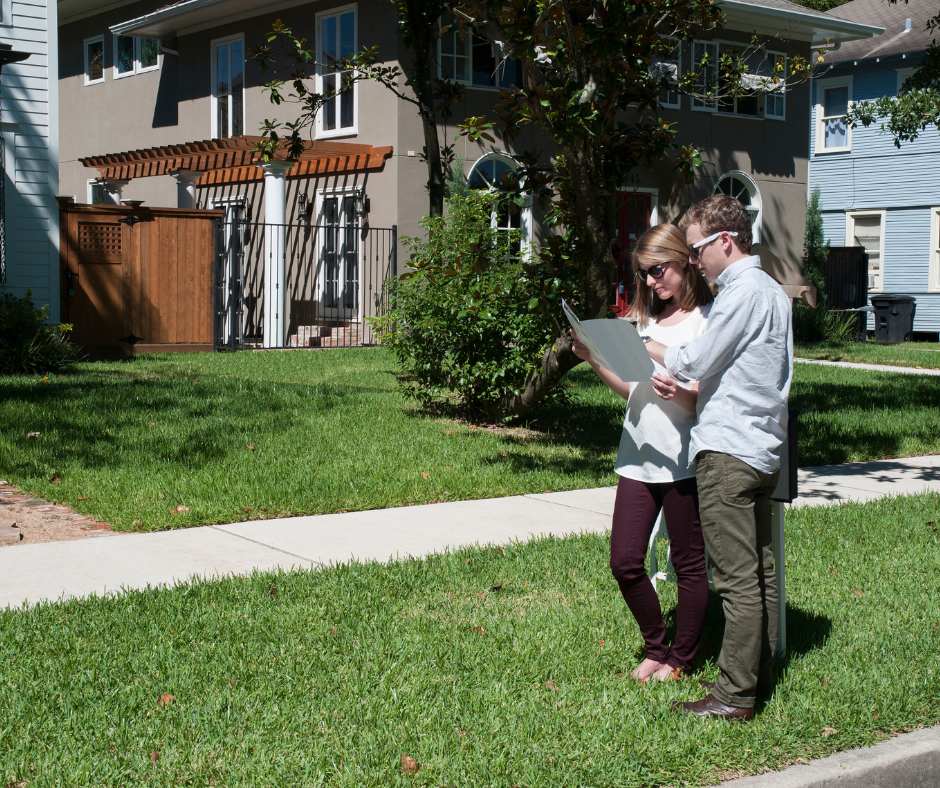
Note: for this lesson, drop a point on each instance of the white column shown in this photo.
(275, 181)
(185, 188)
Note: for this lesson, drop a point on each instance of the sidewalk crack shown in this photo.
(264, 544)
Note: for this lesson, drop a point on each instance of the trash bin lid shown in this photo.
(890, 298)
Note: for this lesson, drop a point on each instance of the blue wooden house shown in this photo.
(874, 194)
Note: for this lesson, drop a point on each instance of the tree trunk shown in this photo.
(432, 152)
(557, 361)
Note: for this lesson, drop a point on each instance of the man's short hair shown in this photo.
(720, 212)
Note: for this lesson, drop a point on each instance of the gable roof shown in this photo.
(899, 35)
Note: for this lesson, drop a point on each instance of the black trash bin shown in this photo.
(894, 317)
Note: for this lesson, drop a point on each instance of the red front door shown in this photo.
(634, 212)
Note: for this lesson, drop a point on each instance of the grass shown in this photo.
(488, 667)
(921, 355)
(176, 440)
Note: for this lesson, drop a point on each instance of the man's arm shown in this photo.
(710, 353)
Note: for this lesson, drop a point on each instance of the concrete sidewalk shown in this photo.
(57, 570)
(870, 367)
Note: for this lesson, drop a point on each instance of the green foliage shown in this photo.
(471, 321)
(815, 248)
(28, 344)
(456, 182)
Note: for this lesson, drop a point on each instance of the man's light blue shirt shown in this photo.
(744, 365)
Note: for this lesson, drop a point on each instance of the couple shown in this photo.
(702, 441)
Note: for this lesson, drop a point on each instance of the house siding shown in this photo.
(28, 102)
(877, 175)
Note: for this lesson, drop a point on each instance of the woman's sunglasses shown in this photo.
(657, 271)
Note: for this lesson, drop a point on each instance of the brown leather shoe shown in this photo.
(710, 706)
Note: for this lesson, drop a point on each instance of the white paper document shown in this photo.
(614, 344)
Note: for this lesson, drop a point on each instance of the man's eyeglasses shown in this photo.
(695, 250)
(657, 271)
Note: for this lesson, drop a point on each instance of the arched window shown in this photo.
(499, 173)
(743, 188)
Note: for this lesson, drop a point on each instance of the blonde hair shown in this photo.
(662, 244)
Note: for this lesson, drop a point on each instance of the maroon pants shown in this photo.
(635, 511)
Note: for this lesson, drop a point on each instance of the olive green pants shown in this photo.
(734, 506)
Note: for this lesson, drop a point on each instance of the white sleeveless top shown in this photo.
(654, 445)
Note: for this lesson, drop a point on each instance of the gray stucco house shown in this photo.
(141, 75)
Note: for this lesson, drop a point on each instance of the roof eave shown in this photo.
(807, 26)
(162, 21)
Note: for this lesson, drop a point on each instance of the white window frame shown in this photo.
(772, 53)
(214, 99)
(526, 224)
(339, 131)
(850, 217)
(6, 13)
(933, 276)
(99, 39)
(678, 102)
(757, 200)
(822, 85)
(340, 193)
(113, 196)
(697, 104)
(467, 82)
(137, 68)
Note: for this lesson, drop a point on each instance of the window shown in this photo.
(6, 13)
(833, 99)
(667, 68)
(467, 57)
(743, 188)
(866, 229)
(705, 65)
(762, 88)
(773, 70)
(98, 193)
(94, 60)
(338, 229)
(933, 278)
(497, 172)
(228, 87)
(135, 54)
(336, 32)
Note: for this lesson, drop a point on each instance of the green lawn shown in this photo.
(489, 667)
(177, 440)
(922, 355)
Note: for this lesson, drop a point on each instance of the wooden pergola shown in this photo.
(235, 160)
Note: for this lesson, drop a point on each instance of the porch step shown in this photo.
(347, 335)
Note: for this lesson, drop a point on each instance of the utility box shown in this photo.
(894, 317)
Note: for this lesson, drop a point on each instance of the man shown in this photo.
(744, 365)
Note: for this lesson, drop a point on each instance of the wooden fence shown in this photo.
(138, 279)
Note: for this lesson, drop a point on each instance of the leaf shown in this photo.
(166, 699)
(479, 630)
(828, 731)
(154, 757)
(56, 478)
(409, 765)
(551, 685)
(179, 509)
(32, 435)
(858, 593)
(250, 446)
(425, 475)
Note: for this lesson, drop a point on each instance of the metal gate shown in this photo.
(335, 278)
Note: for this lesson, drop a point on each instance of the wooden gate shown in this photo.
(138, 279)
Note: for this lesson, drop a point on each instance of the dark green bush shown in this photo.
(470, 322)
(28, 344)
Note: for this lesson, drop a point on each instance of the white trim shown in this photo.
(757, 201)
(933, 271)
(850, 217)
(822, 85)
(771, 53)
(339, 131)
(6, 13)
(139, 69)
(99, 39)
(115, 74)
(697, 104)
(213, 99)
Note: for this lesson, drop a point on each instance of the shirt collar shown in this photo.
(734, 270)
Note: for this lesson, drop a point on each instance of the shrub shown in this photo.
(28, 344)
(469, 323)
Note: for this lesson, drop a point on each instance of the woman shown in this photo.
(670, 305)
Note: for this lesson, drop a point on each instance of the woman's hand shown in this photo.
(664, 385)
(580, 350)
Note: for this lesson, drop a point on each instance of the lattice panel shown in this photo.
(100, 242)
